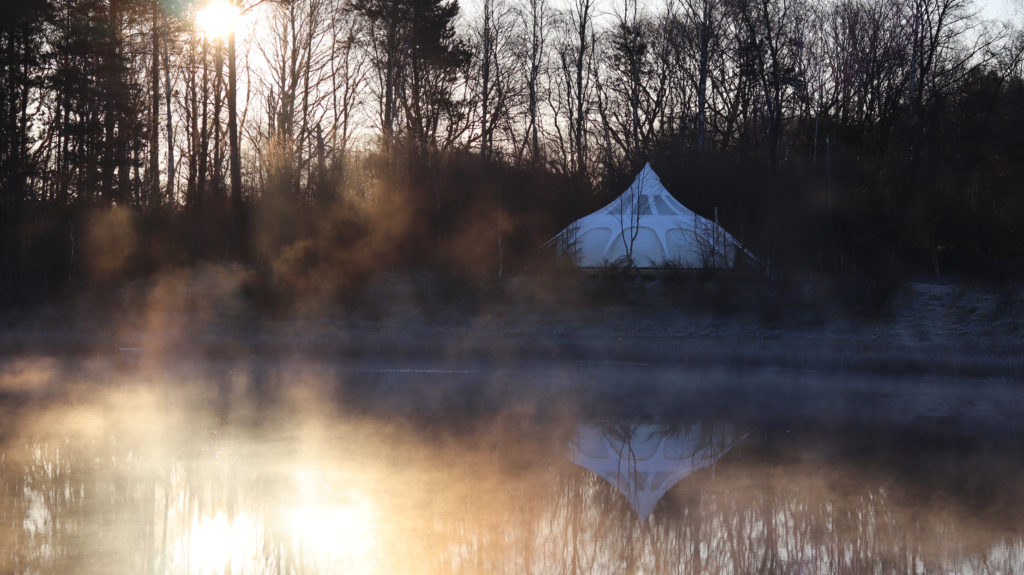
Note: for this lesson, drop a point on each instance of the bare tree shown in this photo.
(945, 46)
(170, 116)
(487, 51)
(629, 210)
(204, 132)
(496, 66)
(296, 30)
(385, 21)
(538, 18)
(238, 237)
(218, 133)
(154, 121)
(349, 71)
(635, 88)
(770, 42)
(575, 84)
(629, 28)
(703, 22)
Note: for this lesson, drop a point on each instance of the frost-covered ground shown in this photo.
(910, 327)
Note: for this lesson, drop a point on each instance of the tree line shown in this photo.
(830, 134)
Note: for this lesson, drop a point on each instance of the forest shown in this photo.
(330, 139)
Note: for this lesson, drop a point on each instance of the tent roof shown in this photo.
(648, 193)
(648, 204)
(647, 227)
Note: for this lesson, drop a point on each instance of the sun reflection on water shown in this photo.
(316, 535)
(342, 536)
(215, 540)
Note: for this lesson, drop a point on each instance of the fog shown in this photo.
(296, 287)
(433, 467)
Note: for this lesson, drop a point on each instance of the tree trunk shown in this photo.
(635, 87)
(109, 150)
(154, 120)
(389, 83)
(238, 227)
(170, 118)
(486, 77)
(192, 120)
(218, 102)
(702, 80)
(204, 137)
(583, 28)
(536, 47)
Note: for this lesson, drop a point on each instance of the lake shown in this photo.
(385, 467)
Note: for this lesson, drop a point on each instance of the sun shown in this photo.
(218, 18)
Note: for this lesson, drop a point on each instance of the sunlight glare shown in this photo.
(213, 542)
(333, 535)
(218, 19)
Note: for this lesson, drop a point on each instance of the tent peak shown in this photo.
(647, 182)
(647, 196)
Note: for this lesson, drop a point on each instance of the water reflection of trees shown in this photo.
(746, 524)
(116, 504)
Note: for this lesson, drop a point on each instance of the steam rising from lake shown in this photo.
(324, 468)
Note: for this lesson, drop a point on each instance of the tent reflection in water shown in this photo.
(645, 461)
(646, 229)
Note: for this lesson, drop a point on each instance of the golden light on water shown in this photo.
(335, 535)
(134, 479)
(330, 522)
(218, 18)
(213, 541)
(322, 536)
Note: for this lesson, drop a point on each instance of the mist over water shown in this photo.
(436, 468)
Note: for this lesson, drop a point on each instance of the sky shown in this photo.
(990, 9)
(997, 9)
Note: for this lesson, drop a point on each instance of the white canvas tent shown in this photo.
(645, 461)
(647, 229)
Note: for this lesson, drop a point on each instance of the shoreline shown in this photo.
(879, 357)
(924, 329)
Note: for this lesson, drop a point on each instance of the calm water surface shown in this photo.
(403, 468)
